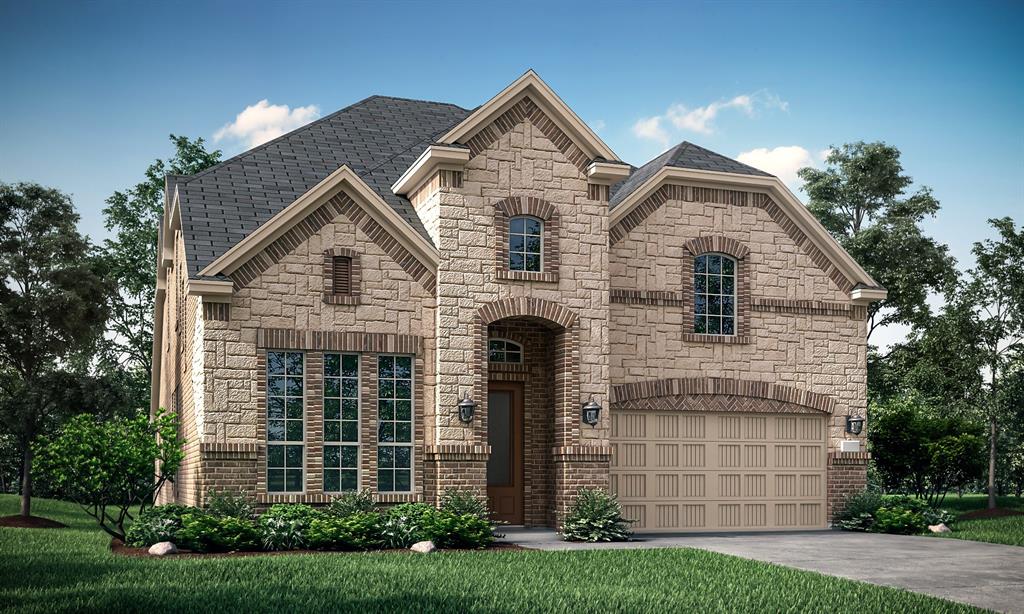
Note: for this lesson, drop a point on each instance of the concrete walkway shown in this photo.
(985, 575)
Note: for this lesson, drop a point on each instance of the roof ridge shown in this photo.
(316, 121)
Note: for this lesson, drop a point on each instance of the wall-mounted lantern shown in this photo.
(466, 408)
(591, 412)
(854, 424)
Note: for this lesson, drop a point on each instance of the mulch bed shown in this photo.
(118, 547)
(30, 522)
(999, 512)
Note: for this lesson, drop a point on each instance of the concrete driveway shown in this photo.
(985, 575)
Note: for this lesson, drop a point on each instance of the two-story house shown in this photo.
(408, 297)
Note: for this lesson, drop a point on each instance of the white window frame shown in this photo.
(411, 444)
(540, 255)
(358, 444)
(305, 424)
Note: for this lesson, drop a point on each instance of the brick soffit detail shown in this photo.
(739, 198)
(624, 394)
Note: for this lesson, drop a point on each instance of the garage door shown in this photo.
(677, 471)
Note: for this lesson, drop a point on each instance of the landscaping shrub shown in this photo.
(900, 514)
(859, 513)
(595, 516)
(230, 505)
(462, 502)
(898, 520)
(283, 526)
(204, 532)
(404, 524)
(350, 503)
(157, 524)
(448, 530)
(354, 531)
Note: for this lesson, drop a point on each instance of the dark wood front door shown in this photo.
(505, 466)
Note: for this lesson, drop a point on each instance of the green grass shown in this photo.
(73, 570)
(1006, 530)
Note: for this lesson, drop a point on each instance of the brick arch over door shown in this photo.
(719, 394)
(507, 208)
(566, 345)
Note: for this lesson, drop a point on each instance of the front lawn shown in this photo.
(1005, 530)
(52, 570)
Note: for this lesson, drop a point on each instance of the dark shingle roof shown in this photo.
(683, 155)
(378, 138)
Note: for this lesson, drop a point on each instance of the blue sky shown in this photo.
(92, 89)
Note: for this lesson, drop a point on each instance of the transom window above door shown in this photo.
(525, 243)
(714, 295)
(504, 351)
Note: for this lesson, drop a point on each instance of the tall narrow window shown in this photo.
(394, 423)
(341, 272)
(714, 290)
(525, 244)
(285, 421)
(341, 422)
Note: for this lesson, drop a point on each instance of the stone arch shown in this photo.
(675, 391)
(527, 307)
(718, 244)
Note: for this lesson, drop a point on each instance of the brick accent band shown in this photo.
(216, 311)
(803, 307)
(721, 403)
(598, 191)
(340, 204)
(672, 387)
(646, 297)
(334, 341)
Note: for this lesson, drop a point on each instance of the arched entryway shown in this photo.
(527, 381)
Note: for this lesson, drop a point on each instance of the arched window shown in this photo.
(714, 294)
(525, 243)
(503, 350)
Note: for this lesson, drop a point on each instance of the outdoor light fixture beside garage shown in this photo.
(854, 424)
(466, 408)
(591, 412)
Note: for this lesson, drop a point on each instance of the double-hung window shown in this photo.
(285, 421)
(394, 423)
(341, 422)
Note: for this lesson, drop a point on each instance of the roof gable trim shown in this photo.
(294, 213)
(559, 112)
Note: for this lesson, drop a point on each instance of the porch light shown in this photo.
(854, 424)
(591, 412)
(466, 408)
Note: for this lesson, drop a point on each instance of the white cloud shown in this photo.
(598, 125)
(263, 121)
(650, 128)
(783, 162)
(702, 119)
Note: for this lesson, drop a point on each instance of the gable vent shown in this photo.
(342, 275)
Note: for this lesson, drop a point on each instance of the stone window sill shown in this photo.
(550, 277)
(726, 339)
(342, 299)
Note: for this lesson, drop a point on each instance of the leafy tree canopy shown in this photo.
(861, 199)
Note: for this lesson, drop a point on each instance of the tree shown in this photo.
(53, 305)
(861, 200)
(110, 467)
(994, 291)
(133, 216)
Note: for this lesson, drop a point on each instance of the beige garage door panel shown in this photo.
(681, 471)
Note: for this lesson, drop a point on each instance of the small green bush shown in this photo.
(898, 520)
(595, 516)
(448, 530)
(404, 525)
(230, 505)
(283, 526)
(859, 513)
(204, 532)
(350, 503)
(900, 514)
(462, 502)
(354, 531)
(157, 524)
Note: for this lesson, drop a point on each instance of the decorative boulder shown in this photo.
(939, 528)
(163, 549)
(423, 547)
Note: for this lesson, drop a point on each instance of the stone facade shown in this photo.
(608, 317)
